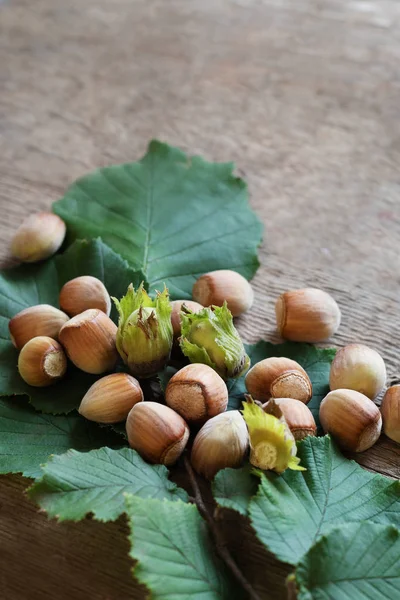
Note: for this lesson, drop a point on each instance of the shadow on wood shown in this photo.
(84, 561)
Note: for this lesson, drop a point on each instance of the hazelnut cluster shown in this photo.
(196, 397)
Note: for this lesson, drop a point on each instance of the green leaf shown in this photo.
(75, 484)
(27, 437)
(234, 488)
(165, 375)
(28, 285)
(316, 361)
(170, 215)
(359, 561)
(119, 428)
(175, 556)
(291, 511)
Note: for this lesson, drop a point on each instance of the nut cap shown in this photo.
(216, 287)
(197, 393)
(278, 377)
(351, 418)
(82, 293)
(39, 237)
(307, 315)
(39, 320)
(89, 340)
(110, 399)
(42, 362)
(157, 432)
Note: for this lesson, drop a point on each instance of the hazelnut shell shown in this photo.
(89, 340)
(351, 418)
(157, 432)
(197, 393)
(216, 287)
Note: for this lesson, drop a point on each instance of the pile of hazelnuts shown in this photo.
(196, 397)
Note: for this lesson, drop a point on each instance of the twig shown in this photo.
(291, 587)
(221, 548)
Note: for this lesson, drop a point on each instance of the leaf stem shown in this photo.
(220, 545)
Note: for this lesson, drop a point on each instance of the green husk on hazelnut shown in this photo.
(209, 337)
(144, 337)
(272, 445)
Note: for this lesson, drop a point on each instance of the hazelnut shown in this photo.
(157, 432)
(89, 340)
(221, 443)
(39, 237)
(110, 399)
(298, 417)
(351, 418)
(218, 286)
(176, 313)
(308, 315)
(358, 367)
(390, 410)
(42, 362)
(197, 393)
(39, 320)
(278, 377)
(82, 293)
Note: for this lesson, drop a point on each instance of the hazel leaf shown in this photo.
(174, 554)
(28, 285)
(234, 488)
(358, 561)
(172, 216)
(292, 511)
(76, 484)
(27, 437)
(165, 375)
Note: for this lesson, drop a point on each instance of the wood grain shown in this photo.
(303, 95)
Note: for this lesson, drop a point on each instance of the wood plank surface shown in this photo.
(304, 95)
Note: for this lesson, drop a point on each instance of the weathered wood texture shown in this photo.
(302, 94)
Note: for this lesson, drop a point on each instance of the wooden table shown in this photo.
(303, 95)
